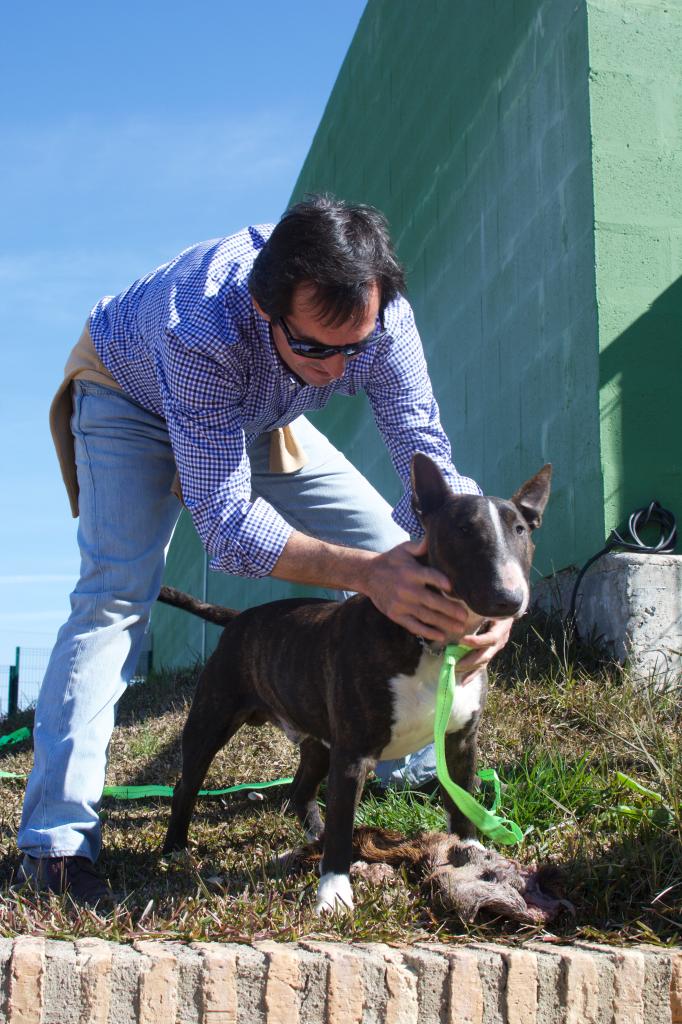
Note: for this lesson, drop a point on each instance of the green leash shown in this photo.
(15, 737)
(500, 830)
(9, 740)
(139, 792)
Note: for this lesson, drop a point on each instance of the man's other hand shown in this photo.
(484, 646)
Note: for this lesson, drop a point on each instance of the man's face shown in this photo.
(304, 323)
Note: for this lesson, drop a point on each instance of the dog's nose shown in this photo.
(506, 603)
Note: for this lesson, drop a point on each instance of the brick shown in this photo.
(93, 957)
(465, 991)
(157, 984)
(402, 1002)
(345, 985)
(629, 985)
(219, 983)
(283, 983)
(61, 985)
(251, 978)
(432, 970)
(27, 970)
(676, 989)
(521, 994)
(189, 966)
(581, 987)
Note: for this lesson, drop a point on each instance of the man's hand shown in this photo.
(400, 587)
(484, 646)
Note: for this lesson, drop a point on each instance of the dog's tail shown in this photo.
(212, 612)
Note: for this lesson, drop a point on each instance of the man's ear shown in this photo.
(259, 310)
(531, 497)
(429, 489)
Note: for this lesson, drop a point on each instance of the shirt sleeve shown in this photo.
(406, 412)
(201, 401)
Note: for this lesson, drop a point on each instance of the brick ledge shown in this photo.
(310, 982)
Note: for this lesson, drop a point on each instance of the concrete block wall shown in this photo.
(636, 115)
(94, 982)
(469, 126)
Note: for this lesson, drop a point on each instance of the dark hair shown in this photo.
(339, 248)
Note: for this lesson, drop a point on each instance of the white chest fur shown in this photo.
(414, 706)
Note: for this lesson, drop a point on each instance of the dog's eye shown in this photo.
(520, 528)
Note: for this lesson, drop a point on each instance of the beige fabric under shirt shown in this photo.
(286, 454)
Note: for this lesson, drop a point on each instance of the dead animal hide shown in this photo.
(466, 878)
(461, 876)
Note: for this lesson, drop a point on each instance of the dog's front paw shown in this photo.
(334, 894)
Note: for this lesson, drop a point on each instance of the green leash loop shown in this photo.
(15, 737)
(500, 830)
(9, 740)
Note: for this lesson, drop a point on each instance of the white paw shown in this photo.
(473, 842)
(334, 893)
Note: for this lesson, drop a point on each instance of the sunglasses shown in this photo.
(316, 350)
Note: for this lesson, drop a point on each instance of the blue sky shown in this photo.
(129, 130)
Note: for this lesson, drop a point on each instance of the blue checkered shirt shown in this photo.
(186, 343)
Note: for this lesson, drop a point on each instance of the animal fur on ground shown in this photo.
(459, 876)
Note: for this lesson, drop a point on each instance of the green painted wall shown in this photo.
(636, 109)
(493, 133)
(469, 126)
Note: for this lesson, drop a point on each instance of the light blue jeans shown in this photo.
(127, 515)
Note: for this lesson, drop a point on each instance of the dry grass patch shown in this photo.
(559, 727)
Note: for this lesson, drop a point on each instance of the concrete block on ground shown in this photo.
(629, 603)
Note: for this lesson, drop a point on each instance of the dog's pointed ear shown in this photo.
(531, 497)
(429, 489)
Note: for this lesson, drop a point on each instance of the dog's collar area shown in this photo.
(438, 649)
(431, 647)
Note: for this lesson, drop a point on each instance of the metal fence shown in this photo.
(4, 688)
(23, 679)
(20, 683)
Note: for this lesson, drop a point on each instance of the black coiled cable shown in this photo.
(653, 515)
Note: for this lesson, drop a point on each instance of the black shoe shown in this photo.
(76, 876)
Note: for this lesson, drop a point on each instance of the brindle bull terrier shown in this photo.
(348, 684)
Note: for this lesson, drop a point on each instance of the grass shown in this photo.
(591, 766)
(407, 812)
